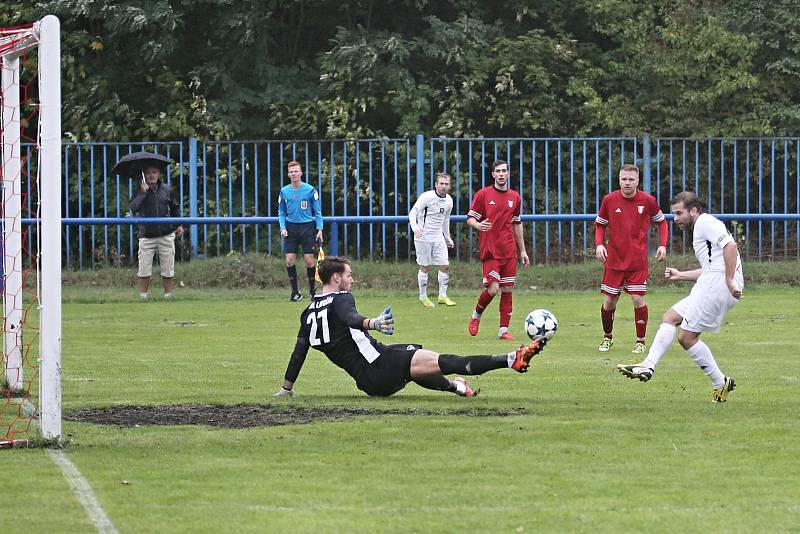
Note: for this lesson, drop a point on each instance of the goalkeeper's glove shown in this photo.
(383, 323)
(283, 392)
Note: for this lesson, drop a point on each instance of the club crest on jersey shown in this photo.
(510, 203)
(304, 204)
(641, 209)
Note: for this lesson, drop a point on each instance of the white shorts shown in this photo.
(707, 304)
(431, 252)
(165, 246)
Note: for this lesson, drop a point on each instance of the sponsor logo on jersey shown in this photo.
(491, 202)
(617, 210)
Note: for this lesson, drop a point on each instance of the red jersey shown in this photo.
(502, 209)
(629, 220)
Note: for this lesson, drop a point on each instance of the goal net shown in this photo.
(30, 237)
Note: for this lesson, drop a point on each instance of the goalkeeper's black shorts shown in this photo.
(389, 373)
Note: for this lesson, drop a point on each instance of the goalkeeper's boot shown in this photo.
(446, 301)
(473, 326)
(637, 370)
(296, 297)
(605, 345)
(463, 389)
(524, 354)
(638, 347)
(426, 302)
(721, 394)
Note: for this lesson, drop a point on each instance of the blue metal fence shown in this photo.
(229, 189)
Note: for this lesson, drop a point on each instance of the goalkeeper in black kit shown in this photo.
(332, 325)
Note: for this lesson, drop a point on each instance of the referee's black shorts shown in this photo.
(389, 373)
(299, 235)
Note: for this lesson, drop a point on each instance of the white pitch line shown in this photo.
(80, 486)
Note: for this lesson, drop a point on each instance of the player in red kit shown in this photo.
(628, 213)
(495, 213)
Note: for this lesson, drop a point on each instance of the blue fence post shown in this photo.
(420, 164)
(193, 193)
(334, 239)
(646, 163)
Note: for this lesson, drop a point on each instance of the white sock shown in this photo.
(422, 280)
(475, 315)
(511, 357)
(664, 337)
(702, 356)
(444, 279)
(460, 386)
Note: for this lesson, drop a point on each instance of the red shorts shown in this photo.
(632, 282)
(502, 271)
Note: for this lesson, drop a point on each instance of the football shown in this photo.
(541, 323)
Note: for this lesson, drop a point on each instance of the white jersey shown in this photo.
(710, 237)
(431, 214)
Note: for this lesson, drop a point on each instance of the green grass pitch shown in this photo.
(584, 449)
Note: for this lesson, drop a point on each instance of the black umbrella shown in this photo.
(133, 164)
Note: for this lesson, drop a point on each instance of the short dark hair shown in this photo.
(497, 163)
(630, 167)
(689, 200)
(330, 266)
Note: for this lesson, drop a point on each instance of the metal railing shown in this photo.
(228, 191)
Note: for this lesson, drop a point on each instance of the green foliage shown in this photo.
(329, 69)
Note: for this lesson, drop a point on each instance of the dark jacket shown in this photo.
(156, 202)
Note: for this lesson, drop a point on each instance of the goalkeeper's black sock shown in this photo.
(435, 382)
(292, 271)
(312, 286)
(471, 365)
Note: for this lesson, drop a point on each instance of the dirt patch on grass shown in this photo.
(252, 415)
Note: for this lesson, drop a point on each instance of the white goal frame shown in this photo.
(44, 34)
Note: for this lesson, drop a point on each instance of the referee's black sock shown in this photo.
(292, 271)
(312, 286)
(471, 365)
(435, 382)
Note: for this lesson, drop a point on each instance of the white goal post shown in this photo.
(31, 267)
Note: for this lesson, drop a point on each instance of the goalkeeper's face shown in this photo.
(345, 279)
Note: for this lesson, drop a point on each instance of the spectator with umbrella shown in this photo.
(153, 198)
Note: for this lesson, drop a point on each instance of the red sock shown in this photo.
(483, 300)
(608, 321)
(506, 307)
(640, 317)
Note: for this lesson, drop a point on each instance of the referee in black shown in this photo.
(331, 324)
(299, 215)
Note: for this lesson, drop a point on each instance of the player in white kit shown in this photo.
(718, 287)
(430, 221)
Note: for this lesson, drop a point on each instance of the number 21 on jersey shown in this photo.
(318, 320)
